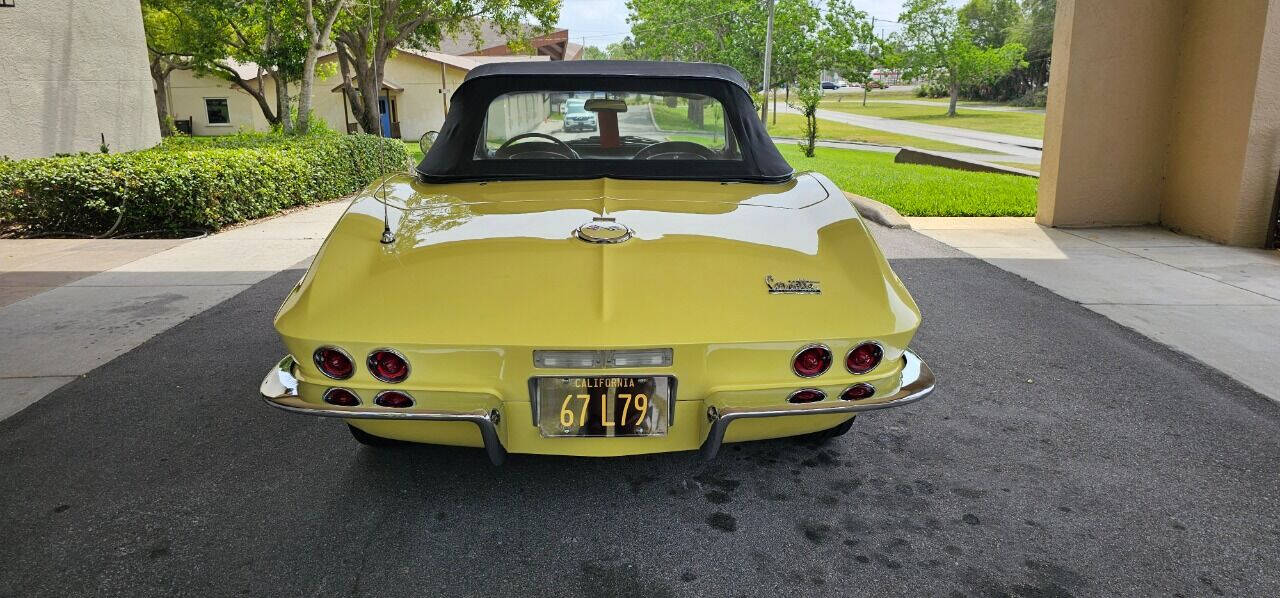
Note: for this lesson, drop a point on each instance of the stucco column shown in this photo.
(1110, 103)
(74, 70)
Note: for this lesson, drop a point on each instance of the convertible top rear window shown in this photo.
(555, 121)
(600, 125)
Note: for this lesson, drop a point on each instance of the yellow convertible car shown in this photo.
(666, 282)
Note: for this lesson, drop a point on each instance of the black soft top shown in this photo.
(610, 68)
(452, 158)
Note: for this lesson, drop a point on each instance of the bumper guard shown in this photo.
(917, 383)
(280, 390)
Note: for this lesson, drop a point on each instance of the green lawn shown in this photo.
(792, 125)
(677, 119)
(1023, 124)
(916, 190)
(415, 152)
(848, 95)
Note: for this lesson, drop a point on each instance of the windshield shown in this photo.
(606, 125)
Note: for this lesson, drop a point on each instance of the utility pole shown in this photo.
(768, 59)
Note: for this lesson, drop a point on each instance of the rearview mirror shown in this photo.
(605, 105)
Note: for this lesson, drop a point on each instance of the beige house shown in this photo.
(415, 95)
(75, 72)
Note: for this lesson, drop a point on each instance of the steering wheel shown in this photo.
(559, 149)
(672, 150)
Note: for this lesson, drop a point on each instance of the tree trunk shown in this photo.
(775, 105)
(318, 35)
(303, 125)
(282, 104)
(764, 107)
(695, 113)
(954, 91)
(160, 76)
(358, 76)
(256, 93)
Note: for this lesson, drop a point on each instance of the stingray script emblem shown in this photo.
(798, 286)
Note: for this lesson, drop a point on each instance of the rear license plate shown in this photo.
(597, 406)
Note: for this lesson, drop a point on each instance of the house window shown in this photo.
(217, 111)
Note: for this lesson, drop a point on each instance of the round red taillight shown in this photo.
(334, 363)
(341, 397)
(811, 361)
(388, 366)
(393, 398)
(857, 392)
(863, 358)
(806, 395)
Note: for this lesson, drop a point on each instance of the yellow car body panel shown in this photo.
(481, 275)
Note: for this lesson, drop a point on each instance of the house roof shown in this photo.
(386, 84)
(467, 63)
(249, 71)
(245, 70)
(487, 36)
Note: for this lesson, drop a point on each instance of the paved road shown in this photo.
(637, 120)
(1062, 455)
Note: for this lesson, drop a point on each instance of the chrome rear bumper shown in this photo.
(280, 390)
(917, 383)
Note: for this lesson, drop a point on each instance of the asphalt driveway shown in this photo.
(1061, 455)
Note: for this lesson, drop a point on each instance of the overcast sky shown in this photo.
(602, 22)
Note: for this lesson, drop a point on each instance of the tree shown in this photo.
(809, 94)
(1034, 30)
(936, 44)
(848, 43)
(367, 33)
(216, 37)
(730, 32)
(164, 35)
(318, 34)
(989, 21)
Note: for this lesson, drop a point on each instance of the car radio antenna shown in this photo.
(387, 236)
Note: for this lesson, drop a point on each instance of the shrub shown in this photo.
(932, 89)
(190, 182)
(1034, 98)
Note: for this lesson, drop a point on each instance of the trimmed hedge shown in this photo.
(187, 183)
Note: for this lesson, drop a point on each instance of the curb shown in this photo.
(877, 212)
(914, 156)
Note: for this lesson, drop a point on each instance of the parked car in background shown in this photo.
(577, 117)
(830, 85)
(876, 84)
(648, 289)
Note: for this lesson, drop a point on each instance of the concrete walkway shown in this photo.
(1007, 145)
(1220, 305)
(32, 266)
(64, 319)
